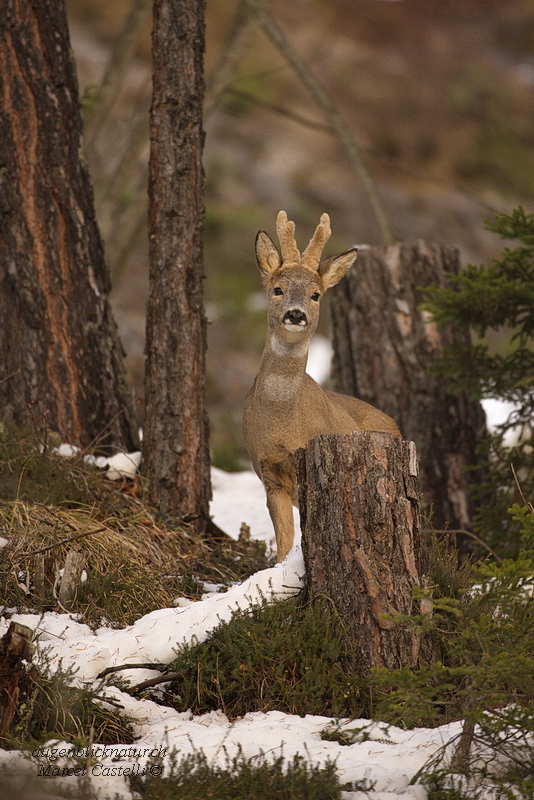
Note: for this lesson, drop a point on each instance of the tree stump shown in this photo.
(72, 575)
(384, 345)
(359, 507)
(15, 651)
(39, 576)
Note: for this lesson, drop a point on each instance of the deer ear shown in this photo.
(267, 256)
(333, 269)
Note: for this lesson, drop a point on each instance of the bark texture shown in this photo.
(16, 651)
(176, 456)
(72, 575)
(359, 506)
(60, 357)
(384, 345)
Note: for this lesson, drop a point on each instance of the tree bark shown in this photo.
(384, 345)
(359, 506)
(60, 358)
(176, 456)
(16, 651)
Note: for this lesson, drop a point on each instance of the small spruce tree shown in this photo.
(483, 674)
(497, 297)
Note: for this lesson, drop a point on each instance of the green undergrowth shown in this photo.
(499, 764)
(484, 675)
(239, 778)
(31, 470)
(477, 666)
(476, 657)
(494, 302)
(286, 655)
(289, 655)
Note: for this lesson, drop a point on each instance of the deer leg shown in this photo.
(281, 511)
(279, 481)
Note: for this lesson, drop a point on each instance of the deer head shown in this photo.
(295, 284)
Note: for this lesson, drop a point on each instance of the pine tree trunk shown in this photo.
(358, 500)
(60, 358)
(176, 457)
(384, 345)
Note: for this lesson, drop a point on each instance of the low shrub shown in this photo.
(51, 707)
(285, 656)
(257, 778)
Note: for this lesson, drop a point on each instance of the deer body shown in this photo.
(285, 407)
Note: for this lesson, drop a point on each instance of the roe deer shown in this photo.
(285, 407)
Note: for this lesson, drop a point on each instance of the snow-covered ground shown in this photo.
(388, 758)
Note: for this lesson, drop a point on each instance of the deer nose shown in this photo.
(295, 317)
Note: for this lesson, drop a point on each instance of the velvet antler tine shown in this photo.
(286, 234)
(312, 254)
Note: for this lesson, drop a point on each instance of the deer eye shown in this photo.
(277, 290)
(315, 296)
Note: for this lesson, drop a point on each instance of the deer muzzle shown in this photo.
(295, 319)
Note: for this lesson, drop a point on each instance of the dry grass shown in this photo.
(134, 563)
(50, 706)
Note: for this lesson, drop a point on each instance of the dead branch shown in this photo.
(527, 503)
(234, 49)
(64, 541)
(473, 536)
(170, 676)
(120, 667)
(284, 112)
(121, 57)
(320, 96)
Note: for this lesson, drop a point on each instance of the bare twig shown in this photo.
(277, 37)
(165, 678)
(170, 676)
(59, 518)
(128, 227)
(92, 445)
(397, 164)
(64, 541)
(120, 667)
(520, 490)
(284, 112)
(109, 193)
(476, 538)
(121, 57)
(109, 700)
(8, 377)
(234, 49)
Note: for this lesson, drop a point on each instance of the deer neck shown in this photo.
(283, 368)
